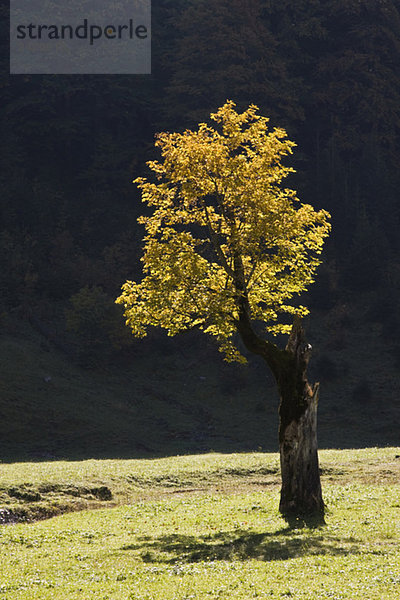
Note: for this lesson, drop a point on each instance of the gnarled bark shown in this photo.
(301, 493)
(301, 488)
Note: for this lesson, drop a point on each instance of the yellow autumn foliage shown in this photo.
(223, 228)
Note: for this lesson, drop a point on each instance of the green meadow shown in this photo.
(198, 527)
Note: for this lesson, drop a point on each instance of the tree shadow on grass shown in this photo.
(241, 545)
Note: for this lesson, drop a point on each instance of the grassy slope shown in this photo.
(207, 526)
(166, 401)
(34, 490)
(180, 397)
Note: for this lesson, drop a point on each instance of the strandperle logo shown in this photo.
(85, 31)
(81, 36)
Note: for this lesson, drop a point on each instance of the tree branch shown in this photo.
(253, 342)
(217, 246)
(257, 345)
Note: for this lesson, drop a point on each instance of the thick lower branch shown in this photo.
(255, 344)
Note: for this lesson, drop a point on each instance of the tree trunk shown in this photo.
(301, 488)
(301, 494)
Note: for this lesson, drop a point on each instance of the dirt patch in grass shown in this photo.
(27, 503)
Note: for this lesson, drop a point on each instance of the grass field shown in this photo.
(195, 527)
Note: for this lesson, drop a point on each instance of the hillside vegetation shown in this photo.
(167, 396)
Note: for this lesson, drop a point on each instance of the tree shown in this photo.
(227, 250)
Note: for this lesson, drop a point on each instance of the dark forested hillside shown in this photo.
(327, 72)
